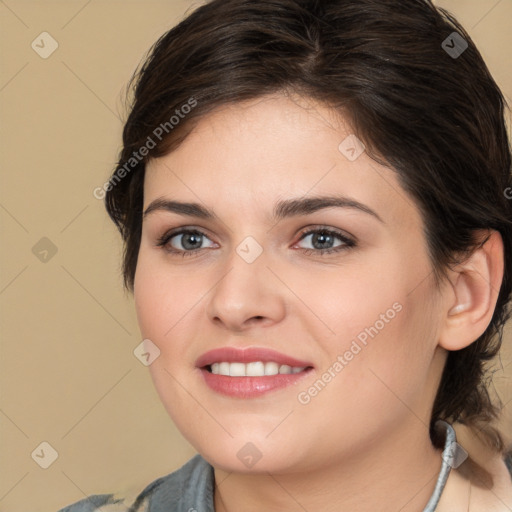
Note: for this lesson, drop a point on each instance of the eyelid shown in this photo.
(328, 229)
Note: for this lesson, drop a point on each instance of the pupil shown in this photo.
(193, 237)
(321, 238)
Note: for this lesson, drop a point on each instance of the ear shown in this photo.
(475, 283)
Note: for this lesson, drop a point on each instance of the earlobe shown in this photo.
(476, 286)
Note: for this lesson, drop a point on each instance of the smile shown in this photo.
(251, 372)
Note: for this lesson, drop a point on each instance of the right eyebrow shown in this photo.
(188, 209)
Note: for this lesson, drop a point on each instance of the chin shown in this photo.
(253, 453)
(248, 459)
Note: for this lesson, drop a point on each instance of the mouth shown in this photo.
(250, 373)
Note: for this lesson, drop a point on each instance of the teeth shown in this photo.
(271, 368)
(254, 369)
(237, 370)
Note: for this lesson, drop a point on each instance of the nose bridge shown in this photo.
(247, 289)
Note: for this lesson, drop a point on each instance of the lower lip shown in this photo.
(250, 387)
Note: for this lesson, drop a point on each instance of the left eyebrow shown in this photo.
(309, 205)
(283, 209)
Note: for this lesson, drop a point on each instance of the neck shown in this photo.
(397, 472)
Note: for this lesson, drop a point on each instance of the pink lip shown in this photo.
(249, 387)
(248, 355)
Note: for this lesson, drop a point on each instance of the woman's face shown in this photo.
(353, 332)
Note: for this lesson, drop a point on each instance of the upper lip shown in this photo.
(247, 355)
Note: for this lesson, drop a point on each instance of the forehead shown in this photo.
(245, 157)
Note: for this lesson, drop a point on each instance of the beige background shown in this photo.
(68, 373)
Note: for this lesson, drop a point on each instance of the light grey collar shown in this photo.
(450, 455)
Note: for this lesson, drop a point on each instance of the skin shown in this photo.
(362, 442)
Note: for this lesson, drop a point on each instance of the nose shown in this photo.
(247, 294)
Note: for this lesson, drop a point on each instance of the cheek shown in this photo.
(162, 297)
(378, 327)
(375, 373)
(164, 303)
(150, 301)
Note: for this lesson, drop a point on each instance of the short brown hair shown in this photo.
(422, 101)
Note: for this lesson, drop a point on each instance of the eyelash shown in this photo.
(347, 242)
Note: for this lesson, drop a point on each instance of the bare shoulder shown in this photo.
(486, 474)
(490, 490)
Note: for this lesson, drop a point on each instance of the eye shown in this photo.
(323, 241)
(185, 241)
(188, 242)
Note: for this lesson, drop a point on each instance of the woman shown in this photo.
(318, 235)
